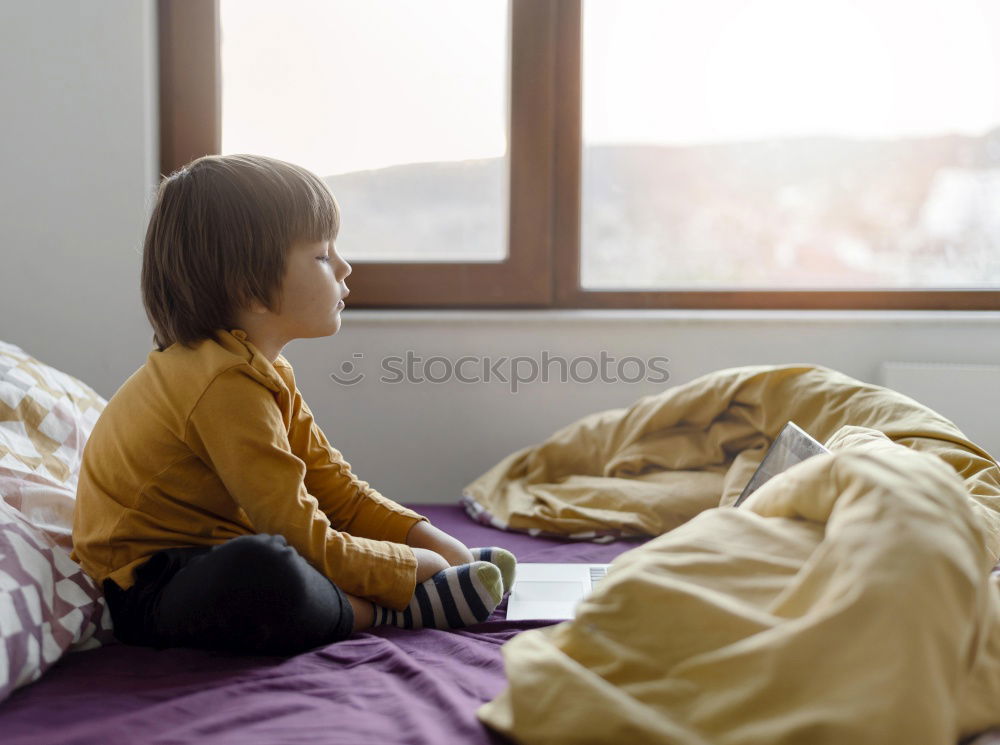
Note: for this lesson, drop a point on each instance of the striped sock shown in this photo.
(502, 558)
(454, 597)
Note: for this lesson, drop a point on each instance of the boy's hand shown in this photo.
(425, 535)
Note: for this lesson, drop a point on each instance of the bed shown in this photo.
(65, 679)
(717, 630)
(386, 685)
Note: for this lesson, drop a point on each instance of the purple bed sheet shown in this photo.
(388, 685)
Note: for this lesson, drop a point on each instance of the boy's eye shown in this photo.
(323, 258)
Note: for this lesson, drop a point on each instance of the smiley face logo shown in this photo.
(347, 371)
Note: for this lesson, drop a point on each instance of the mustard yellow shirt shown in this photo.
(202, 445)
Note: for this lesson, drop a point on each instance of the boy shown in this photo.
(210, 506)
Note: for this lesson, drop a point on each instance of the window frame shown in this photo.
(542, 269)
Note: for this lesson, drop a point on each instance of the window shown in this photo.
(412, 141)
(781, 144)
(648, 153)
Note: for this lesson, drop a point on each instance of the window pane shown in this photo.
(400, 106)
(785, 144)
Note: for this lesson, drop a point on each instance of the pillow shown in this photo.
(45, 419)
(48, 604)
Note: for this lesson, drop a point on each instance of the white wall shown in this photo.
(423, 441)
(79, 153)
(78, 147)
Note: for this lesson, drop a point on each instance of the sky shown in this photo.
(348, 85)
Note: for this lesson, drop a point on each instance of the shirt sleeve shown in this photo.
(251, 454)
(350, 504)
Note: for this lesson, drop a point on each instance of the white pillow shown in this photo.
(48, 604)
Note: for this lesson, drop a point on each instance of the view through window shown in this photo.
(402, 107)
(780, 144)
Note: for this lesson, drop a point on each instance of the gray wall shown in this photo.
(423, 440)
(79, 152)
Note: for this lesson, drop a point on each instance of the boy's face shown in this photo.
(312, 291)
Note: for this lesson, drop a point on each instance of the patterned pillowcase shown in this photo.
(48, 605)
(45, 419)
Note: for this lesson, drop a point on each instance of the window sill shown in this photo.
(682, 316)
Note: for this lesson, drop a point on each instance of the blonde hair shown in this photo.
(217, 238)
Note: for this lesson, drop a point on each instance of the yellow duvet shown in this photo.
(849, 600)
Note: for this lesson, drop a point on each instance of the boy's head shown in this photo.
(218, 238)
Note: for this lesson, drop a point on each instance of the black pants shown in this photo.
(253, 594)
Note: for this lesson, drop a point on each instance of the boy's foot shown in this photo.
(504, 559)
(454, 597)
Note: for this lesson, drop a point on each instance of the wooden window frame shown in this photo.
(542, 269)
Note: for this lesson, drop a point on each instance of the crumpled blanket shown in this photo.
(648, 468)
(849, 600)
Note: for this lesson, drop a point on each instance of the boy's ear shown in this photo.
(256, 306)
